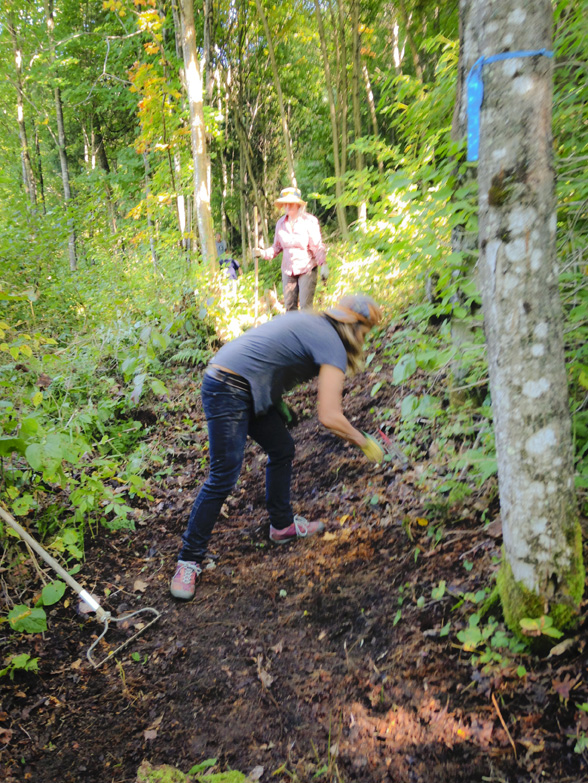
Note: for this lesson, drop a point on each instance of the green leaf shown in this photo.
(34, 455)
(26, 620)
(376, 388)
(23, 505)
(202, 766)
(8, 445)
(438, 592)
(405, 367)
(159, 388)
(52, 593)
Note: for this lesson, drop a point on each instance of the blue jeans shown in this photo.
(230, 418)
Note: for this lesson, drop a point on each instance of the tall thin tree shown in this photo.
(61, 139)
(193, 77)
(278, 89)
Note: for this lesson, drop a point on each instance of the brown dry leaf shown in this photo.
(563, 687)
(277, 648)
(5, 736)
(264, 676)
(76, 664)
(255, 774)
(561, 648)
(494, 529)
(329, 536)
(151, 732)
(140, 586)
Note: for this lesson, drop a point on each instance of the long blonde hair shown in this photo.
(352, 342)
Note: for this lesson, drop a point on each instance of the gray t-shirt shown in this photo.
(282, 353)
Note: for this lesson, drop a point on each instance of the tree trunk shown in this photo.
(341, 218)
(150, 230)
(27, 169)
(198, 137)
(102, 158)
(39, 167)
(244, 233)
(372, 107)
(359, 163)
(62, 144)
(542, 570)
(259, 201)
(342, 89)
(411, 44)
(278, 88)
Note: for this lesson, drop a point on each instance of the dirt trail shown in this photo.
(323, 660)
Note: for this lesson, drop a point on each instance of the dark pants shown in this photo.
(299, 287)
(230, 418)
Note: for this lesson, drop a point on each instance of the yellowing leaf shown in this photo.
(422, 521)
(37, 399)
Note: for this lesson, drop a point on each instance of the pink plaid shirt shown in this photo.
(300, 242)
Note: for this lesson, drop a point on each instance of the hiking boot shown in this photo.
(300, 528)
(183, 584)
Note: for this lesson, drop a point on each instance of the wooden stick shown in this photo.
(495, 703)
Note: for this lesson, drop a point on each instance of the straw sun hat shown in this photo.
(290, 196)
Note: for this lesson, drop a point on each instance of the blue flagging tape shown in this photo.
(475, 94)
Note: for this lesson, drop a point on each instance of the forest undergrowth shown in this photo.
(374, 652)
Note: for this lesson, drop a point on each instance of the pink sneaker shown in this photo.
(183, 584)
(300, 528)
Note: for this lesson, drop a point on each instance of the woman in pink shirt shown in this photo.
(298, 237)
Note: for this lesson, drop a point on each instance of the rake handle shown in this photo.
(101, 614)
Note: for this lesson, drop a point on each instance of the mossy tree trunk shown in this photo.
(542, 571)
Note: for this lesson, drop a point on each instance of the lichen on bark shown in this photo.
(561, 604)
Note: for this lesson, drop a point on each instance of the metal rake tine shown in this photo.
(126, 643)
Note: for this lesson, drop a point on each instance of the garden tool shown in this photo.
(101, 614)
(391, 448)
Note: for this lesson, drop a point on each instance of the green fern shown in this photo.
(190, 353)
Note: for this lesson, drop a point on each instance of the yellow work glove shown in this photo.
(372, 449)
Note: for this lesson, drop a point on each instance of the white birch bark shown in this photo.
(193, 77)
(522, 312)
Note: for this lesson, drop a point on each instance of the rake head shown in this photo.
(107, 619)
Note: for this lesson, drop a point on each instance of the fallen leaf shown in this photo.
(563, 687)
(255, 773)
(494, 529)
(76, 664)
(5, 736)
(140, 586)
(561, 648)
(329, 536)
(151, 732)
(277, 648)
(266, 678)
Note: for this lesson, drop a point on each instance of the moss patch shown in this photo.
(519, 602)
